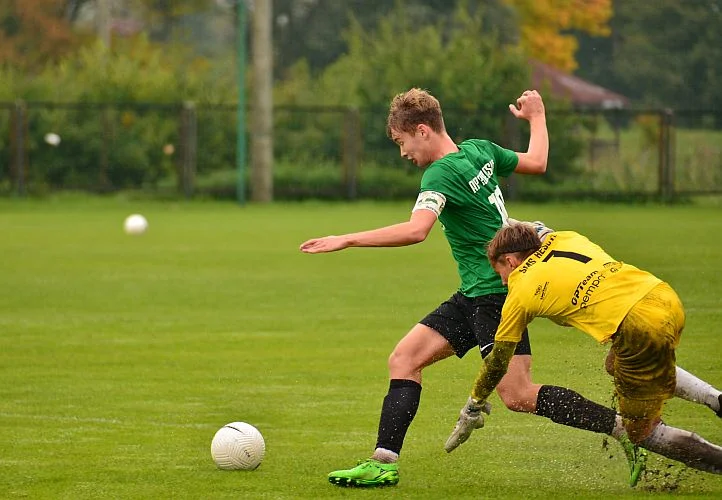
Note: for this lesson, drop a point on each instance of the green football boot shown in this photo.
(637, 459)
(367, 473)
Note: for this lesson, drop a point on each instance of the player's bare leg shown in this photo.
(421, 347)
(516, 389)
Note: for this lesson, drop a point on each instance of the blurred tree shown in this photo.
(131, 139)
(162, 15)
(313, 30)
(668, 53)
(35, 32)
(458, 58)
(546, 27)
(471, 71)
(474, 76)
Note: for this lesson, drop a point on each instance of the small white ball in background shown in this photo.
(135, 224)
(238, 446)
(52, 138)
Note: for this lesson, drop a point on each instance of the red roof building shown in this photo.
(580, 92)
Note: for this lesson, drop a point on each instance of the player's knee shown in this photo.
(517, 399)
(400, 363)
(396, 359)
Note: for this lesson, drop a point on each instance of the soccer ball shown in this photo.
(135, 224)
(238, 446)
(52, 138)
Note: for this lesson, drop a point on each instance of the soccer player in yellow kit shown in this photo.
(573, 282)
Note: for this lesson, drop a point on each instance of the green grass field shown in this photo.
(121, 356)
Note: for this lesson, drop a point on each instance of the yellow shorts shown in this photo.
(644, 345)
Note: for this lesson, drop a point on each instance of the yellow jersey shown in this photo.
(573, 282)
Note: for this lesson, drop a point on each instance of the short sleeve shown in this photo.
(514, 319)
(434, 179)
(506, 160)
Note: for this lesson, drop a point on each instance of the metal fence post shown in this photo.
(104, 184)
(351, 153)
(666, 160)
(19, 135)
(189, 149)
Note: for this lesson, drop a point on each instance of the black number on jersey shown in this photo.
(567, 255)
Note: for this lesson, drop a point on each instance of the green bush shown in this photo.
(319, 180)
(111, 137)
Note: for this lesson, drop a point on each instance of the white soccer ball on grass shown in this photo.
(238, 446)
(135, 224)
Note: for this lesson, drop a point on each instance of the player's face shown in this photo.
(413, 147)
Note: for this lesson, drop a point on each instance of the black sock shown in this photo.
(397, 412)
(567, 407)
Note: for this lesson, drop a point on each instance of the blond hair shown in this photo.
(412, 108)
(518, 238)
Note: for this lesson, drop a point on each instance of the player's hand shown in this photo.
(470, 418)
(528, 106)
(325, 244)
(541, 230)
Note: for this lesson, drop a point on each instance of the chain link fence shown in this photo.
(188, 150)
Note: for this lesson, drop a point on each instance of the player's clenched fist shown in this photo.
(528, 105)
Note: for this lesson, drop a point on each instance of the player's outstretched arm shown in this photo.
(530, 107)
(493, 369)
(490, 374)
(406, 233)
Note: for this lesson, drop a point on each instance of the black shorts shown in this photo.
(467, 322)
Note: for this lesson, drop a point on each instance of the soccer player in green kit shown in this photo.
(460, 188)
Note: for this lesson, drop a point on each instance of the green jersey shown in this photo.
(463, 189)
